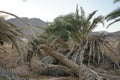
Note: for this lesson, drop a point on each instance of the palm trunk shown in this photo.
(85, 72)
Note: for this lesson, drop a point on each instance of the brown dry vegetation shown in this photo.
(29, 71)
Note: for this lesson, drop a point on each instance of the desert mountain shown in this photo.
(99, 33)
(108, 35)
(115, 35)
(33, 25)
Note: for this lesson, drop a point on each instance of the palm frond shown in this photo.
(113, 22)
(28, 25)
(91, 15)
(99, 19)
(115, 1)
(82, 13)
(10, 33)
(113, 15)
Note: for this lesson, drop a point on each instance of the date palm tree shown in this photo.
(75, 25)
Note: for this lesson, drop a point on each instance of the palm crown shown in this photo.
(75, 25)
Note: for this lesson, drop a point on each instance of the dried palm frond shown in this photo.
(97, 49)
(12, 34)
(3, 52)
(30, 28)
(118, 47)
(9, 33)
(7, 74)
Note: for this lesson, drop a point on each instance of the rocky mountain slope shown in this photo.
(33, 25)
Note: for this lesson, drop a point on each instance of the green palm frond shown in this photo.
(75, 25)
(91, 15)
(82, 14)
(113, 15)
(115, 1)
(99, 19)
(113, 22)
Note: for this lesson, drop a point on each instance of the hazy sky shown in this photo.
(47, 10)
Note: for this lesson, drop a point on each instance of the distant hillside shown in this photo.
(109, 36)
(99, 32)
(34, 25)
(32, 21)
(115, 35)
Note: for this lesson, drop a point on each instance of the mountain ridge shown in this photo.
(31, 21)
(29, 25)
